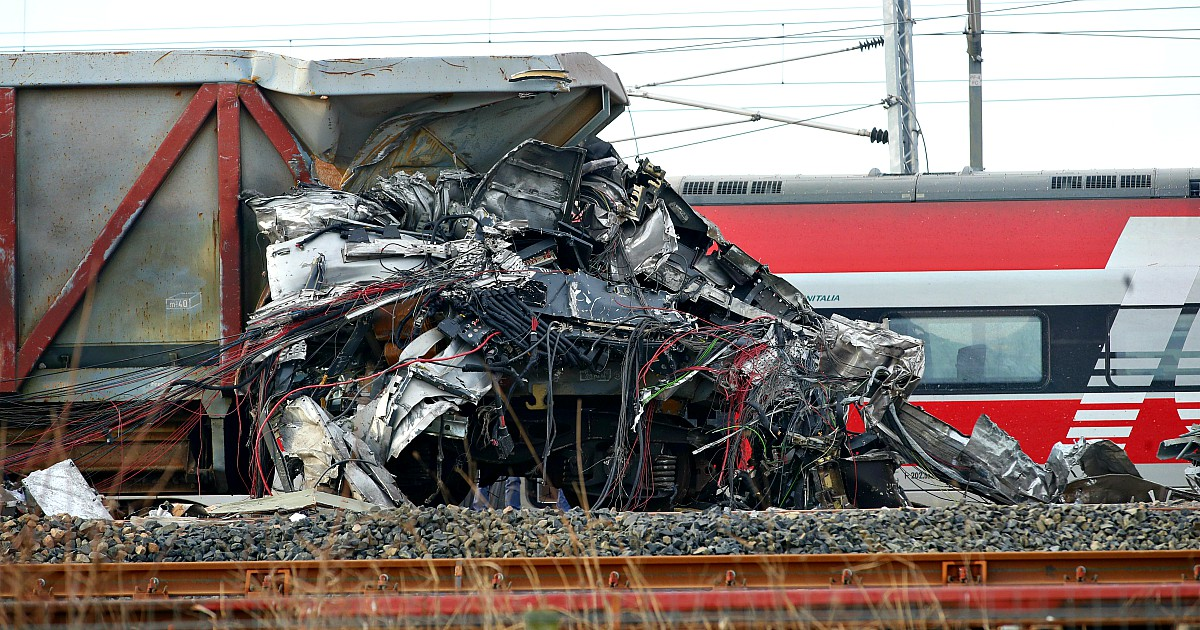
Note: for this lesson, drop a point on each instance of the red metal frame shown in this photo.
(16, 364)
(8, 237)
(229, 184)
(277, 132)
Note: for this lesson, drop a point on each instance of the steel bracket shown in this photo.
(972, 572)
(268, 582)
(154, 589)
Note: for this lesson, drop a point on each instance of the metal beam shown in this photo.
(229, 184)
(118, 225)
(277, 132)
(1100, 605)
(448, 575)
(8, 240)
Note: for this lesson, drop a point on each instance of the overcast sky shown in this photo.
(1071, 84)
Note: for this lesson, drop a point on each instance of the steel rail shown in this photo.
(630, 573)
(1115, 605)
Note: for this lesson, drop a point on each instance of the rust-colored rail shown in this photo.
(636, 573)
(952, 606)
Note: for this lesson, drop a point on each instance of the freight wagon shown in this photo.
(125, 261)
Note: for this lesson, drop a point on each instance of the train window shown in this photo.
(969, 350)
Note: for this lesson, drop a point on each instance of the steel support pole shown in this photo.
(975, 81)
(901, 92)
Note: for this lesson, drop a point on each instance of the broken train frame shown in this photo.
(91, 363)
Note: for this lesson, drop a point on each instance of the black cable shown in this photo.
(563, 17)
(343, 463)
(262, 365)
(437, 225)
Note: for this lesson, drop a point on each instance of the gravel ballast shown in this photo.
(452, 532)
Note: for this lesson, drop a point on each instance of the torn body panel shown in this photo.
(988, 463)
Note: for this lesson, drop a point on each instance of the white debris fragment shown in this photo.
(61, 489)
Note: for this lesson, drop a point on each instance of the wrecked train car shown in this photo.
(126, 260)
(564, 316)
(485, 290)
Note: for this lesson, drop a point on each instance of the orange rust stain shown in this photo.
(327, 173)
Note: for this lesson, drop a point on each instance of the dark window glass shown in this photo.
(978, 349)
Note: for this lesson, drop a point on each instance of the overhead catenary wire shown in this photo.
(685, 130)
(572, 18)
(458, 38)
(1031, 99)
(580, 16)
(959, 80)
(863, 45)
(866, 24)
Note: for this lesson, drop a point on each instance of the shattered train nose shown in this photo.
(563, 316)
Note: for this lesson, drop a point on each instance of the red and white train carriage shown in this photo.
(1061, 304)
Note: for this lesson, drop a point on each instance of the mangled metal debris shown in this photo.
(1185, 447)
(568, 317)
(988, 462)
(1111, 477)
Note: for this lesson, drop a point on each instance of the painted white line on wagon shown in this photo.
(1113, 415)
(1106, 398)
(1130, 363)
(1099, 432)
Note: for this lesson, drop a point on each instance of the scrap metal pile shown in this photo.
(563, 317)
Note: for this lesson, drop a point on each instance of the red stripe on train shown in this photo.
(936, 236)
(1039, 424)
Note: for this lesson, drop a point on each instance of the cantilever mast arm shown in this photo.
(874, 134)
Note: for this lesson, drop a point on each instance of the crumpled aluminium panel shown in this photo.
(311, 208)
(988, 463)
(1186, 447)
(325, 451)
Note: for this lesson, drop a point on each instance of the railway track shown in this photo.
(1155, 588)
